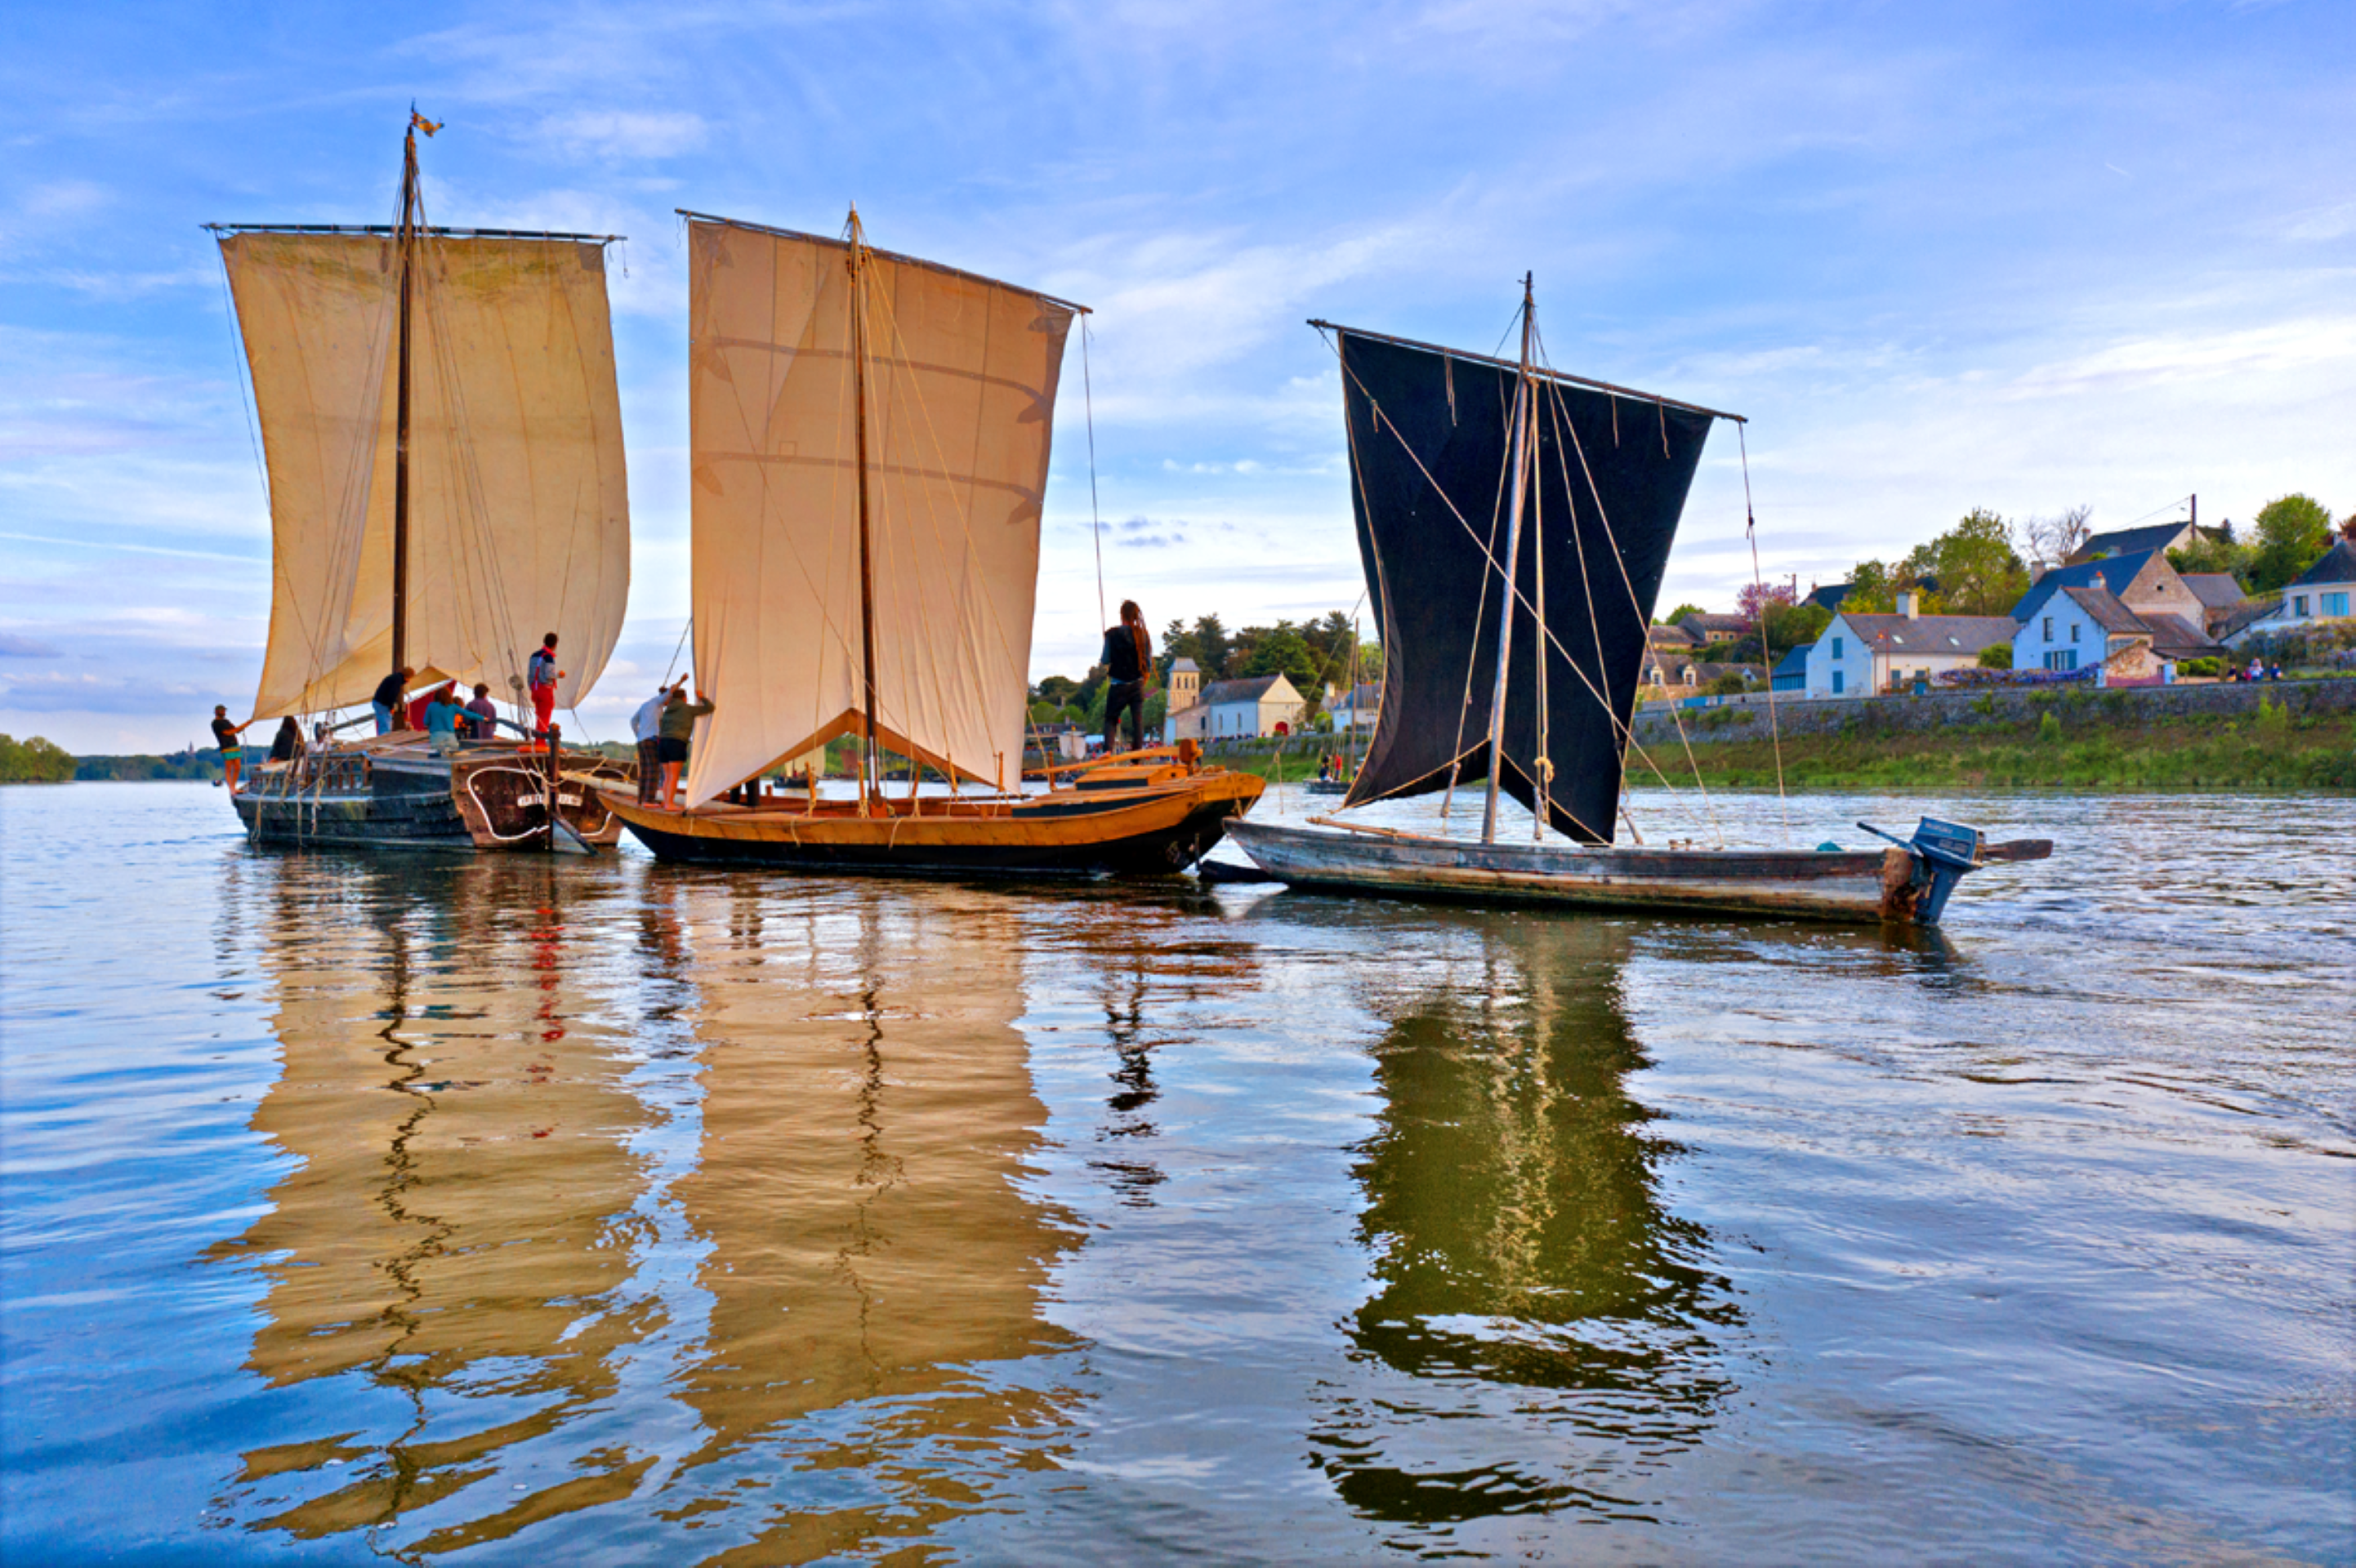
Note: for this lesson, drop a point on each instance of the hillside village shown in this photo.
(2151, 604)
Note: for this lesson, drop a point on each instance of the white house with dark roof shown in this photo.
(1861, 656)
(2161, 537)
(1356, 708)
(2143, 581)
(2321, 595)
(2077, 628)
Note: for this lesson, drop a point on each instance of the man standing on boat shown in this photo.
(543, 675)
(386, 702)
(678, 717)
(225, 735)
(1128, 655)
(646, 724)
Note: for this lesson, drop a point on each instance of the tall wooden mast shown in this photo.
(867, 761)
(408, 245)
(1513, 568)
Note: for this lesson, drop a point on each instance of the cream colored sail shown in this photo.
(961, 376)
(519, 508)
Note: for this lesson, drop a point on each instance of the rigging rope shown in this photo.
(1096, 519)
(1766, 650)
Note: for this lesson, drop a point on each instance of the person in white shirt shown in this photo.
(647, 725)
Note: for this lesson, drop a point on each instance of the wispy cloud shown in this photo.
(624, 133)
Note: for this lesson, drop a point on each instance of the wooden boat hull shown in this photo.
(1153, 829)
(1868, 886)
(407, 797)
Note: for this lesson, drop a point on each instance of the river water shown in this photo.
(506, 1209)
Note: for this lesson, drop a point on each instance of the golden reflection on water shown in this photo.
(472, 1205)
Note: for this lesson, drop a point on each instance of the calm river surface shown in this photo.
(519, 1211)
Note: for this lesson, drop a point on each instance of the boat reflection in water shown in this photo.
(459, 1228)
(875, 1270)
(712, 1226)
(1524, 1269)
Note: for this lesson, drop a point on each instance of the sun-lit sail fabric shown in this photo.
(1427, 428)
(518, 505)
(961, 378)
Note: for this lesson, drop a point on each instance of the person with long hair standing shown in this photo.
(1128, 656)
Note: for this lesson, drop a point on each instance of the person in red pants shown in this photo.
(542, 676)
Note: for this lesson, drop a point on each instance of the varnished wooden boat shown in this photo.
(1150, 812)
(1905, 884)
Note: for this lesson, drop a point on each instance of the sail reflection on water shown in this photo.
(875, 1268)
(457, 1228)
(1524, 1267)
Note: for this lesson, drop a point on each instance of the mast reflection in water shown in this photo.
(1522, 1267)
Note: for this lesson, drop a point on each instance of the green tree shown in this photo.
(1283, 651)
(1872, 590)
(2216, 551)
(33, 761)
(1680, 613)
(1975, 564)
(1789, 625)
(1997, 656)
(2293, 530)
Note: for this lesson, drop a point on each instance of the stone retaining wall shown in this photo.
(1745, 719)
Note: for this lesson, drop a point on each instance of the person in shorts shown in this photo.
(678, 717)
(225, 736)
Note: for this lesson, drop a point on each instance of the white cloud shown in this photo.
(625, 133)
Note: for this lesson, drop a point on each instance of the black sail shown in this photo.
(1430, 436)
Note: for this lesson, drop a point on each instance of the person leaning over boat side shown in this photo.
(287, 744)
(678, 717)
(225, 735)
(387, 698)
(482, 711)
(542, 674)
(1128, 655)
(442, 713)
(646, 724)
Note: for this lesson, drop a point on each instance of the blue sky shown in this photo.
(2020, 256)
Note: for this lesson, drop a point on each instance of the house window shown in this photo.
(2073, 630)
(2064, 660)
(1839, 681)
(2049, 628)
(1837, 653)
(2299, 605)
(2335, 603)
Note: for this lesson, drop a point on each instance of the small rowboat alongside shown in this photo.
(1907, 884)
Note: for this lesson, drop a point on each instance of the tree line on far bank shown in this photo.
(1308, 654)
